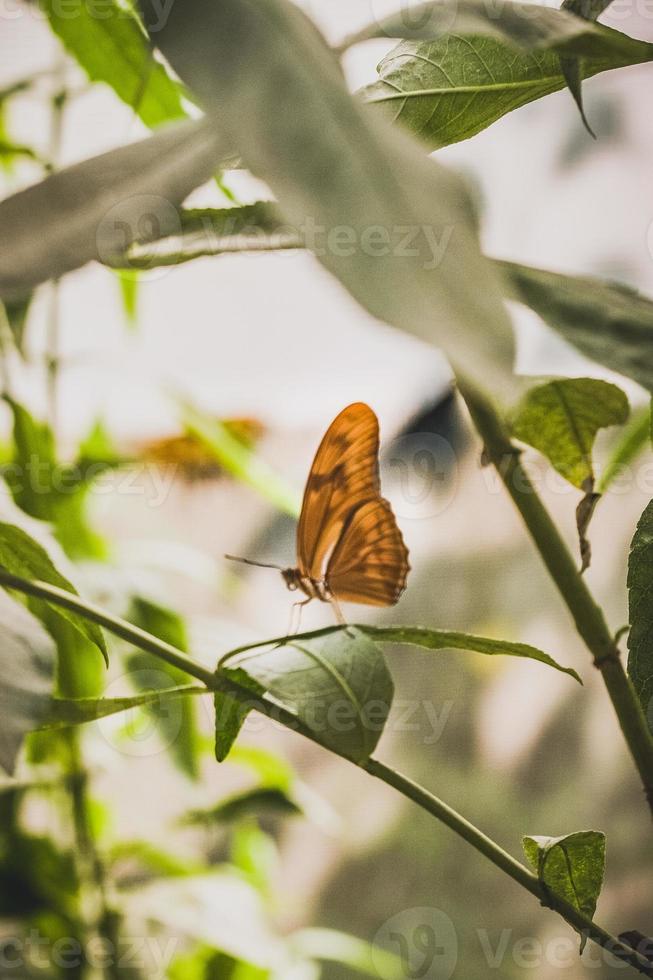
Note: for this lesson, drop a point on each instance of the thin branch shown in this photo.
(410, 790)
(587, 615)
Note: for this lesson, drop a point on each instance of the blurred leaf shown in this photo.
(521, 25)
(608, 322)
(640, 589)
(572, 69)
(338, 685)
(270, 768)
(113, 48)
(450, 89)
(260, 801)
(16, 314)
(216, 231)
(179, 729)
(208, 964)
(428, 639)
(331, 946)
(36, 877)
(151, 859)
(571, 867)
(21, 555)
(48, 490)
(27, 663)
(80, 672)
(129, 284)
(635, 438)
(339, 171)
(238, 459)
(94, 210)
(231, 713)
(65, 712)
(561, 419)
(254, 853)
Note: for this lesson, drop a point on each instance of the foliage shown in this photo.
(351, 185)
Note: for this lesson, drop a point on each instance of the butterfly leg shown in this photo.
(292, 628)
(333, 602)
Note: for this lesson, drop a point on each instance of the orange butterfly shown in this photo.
(349, 547)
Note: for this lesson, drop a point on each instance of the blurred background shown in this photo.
(273, 342)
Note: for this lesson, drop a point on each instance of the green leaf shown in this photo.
(128, 282)
(231, 712)
(240, 460)
(27, 663)
(129, 194)
(151, 858)
(571, 867)
(640, 590)
(450, 89)
(45, 489)
(521, 25)
(374, 210)
(16, 314)
(608, 322)
(67, 712)
(337, 684)
(215, 231)
(427, 639)
(260, 801)
(587, 10)
(147, 672)
(112, 47)
(561, 419)
(21, 555)
(635, 438)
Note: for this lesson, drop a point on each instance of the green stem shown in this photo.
(587, 615)
(410, 790)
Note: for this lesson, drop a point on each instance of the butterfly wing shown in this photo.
(370, 561)
(345, 473)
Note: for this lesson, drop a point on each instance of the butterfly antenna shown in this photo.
(257, 564)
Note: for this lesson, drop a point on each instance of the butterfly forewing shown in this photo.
(345, 472)
(348, 537)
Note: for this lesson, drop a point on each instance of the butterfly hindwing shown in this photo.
(370, 562)
(348, 536)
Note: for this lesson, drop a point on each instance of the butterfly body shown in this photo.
(349, 547)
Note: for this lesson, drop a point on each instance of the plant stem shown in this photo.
(410, 790)
(587, 615)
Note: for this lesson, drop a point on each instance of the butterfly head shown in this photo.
(291, 578)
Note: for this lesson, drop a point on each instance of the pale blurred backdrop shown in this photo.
(516, 747)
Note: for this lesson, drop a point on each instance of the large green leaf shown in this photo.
(27, 663)
(427, 639)
(147, 673)
(450, 89)
(231, 712)
(561, 419)
(608, 322)
(21, 555)
(396, 228)
(337, 684)
(571, 867)
(113, 48)
(96, 209)
(640, 601)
